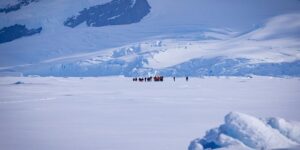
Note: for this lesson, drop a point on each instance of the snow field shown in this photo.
(115, 113)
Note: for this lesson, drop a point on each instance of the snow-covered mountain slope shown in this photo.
(206, 37)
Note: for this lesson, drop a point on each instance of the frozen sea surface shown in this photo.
(115, 113)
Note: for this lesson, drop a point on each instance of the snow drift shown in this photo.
(241, 131)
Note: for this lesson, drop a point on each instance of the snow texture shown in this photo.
(248, 132)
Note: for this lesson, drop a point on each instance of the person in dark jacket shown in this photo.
(186, 78)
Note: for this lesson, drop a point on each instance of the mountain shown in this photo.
(143, 37)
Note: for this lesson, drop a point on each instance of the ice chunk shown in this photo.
(253, 132)
(241, 131)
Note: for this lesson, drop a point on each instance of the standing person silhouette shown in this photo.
(186, 78)
(174, 78)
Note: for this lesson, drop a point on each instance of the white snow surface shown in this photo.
(115, 113)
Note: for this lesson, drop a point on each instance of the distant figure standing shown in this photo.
(174, 79)
(186, 78)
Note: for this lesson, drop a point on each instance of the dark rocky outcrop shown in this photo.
(116, 12)
(16, 31)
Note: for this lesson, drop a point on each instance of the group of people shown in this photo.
(155, 78)
(149, 79)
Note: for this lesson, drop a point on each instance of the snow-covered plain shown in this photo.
(115, 113)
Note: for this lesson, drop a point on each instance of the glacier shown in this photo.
(270, 50)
